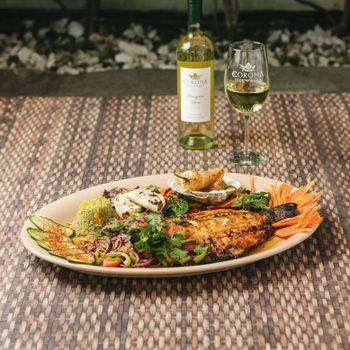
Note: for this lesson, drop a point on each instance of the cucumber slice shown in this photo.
(48, 225)
(58, 253)
(82, 258)
(57, 245)
(63, 253)
(39, 235)
(75, 255)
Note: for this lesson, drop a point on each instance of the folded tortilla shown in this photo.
(123, 205)
(147, 199)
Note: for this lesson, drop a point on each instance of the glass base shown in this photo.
(197, 142)
(248, 158)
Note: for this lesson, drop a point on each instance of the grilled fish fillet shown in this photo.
(231, 233)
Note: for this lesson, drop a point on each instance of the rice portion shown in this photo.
(93, 215)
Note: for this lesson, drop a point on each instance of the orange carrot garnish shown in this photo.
(306, 201)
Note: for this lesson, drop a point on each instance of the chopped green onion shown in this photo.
(201, 256)
(132, 257)
(184, 260)
(99, 261)
(126, 262)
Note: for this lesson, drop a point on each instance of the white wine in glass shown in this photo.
(246, 87)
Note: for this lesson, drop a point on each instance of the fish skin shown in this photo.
(232, 233)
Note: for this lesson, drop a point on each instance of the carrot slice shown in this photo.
(252, 183)
(306, 201)
(227, 203)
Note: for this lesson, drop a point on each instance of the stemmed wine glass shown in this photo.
(246, 87)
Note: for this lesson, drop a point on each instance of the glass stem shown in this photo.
(246, 134)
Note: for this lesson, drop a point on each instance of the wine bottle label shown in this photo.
(195, 94)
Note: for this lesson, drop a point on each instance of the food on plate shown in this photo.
(127, 201)
(84, 242)
(207, 187)
(48, 225)
(252, 201)
(231, 233)
(39, 235)
(57, 239)
(306, 200)
(200, 180)
(123, 205)
(93, 215)
(147, 199)
(153, 226)
(217, 185)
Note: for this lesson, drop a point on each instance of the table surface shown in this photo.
(51, 147)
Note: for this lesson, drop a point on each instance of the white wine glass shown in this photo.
(246, 84)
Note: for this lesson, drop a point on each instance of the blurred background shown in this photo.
(72, 37)
(79, 37)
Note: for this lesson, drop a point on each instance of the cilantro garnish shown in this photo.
(149, 233)
(114, 227)
(178, 254)
(176, 207)
(199, 249)
(155, 219)
(253, 201)
(152, 239)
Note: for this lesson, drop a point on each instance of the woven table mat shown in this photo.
(300, 299)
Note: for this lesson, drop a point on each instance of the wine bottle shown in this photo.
(195, 84)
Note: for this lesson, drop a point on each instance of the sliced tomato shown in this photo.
(140, 223)
(164, 191)
(173, 228)
(189, 246)
(188, 234)
(111, 263)
(170, 192)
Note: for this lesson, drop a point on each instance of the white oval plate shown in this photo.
(64, 209)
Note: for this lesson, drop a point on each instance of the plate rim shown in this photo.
(161, 272)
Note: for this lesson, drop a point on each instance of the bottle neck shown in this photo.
(194, 15)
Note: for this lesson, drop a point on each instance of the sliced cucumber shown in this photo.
(57, 245)
(82, 258)
(58, 253)
(63, 253)
(39, 235)
(51, 226)
(56, 239)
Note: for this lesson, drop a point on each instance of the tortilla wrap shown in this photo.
(147, 199)
(123, 205)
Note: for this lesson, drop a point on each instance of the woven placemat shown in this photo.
(51, 147)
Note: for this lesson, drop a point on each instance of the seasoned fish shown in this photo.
(231, 233)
